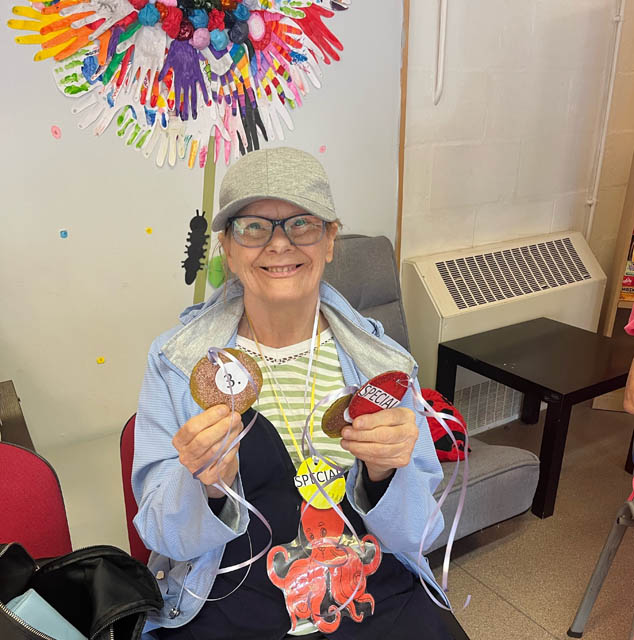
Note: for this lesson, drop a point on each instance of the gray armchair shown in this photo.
(502, 480)
(364, 272)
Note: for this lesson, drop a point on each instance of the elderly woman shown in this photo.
(277, 227)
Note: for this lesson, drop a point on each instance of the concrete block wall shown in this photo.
(509, 151)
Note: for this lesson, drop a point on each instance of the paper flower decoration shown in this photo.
(179, 75)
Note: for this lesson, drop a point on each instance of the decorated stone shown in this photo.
(384, 391)
(334, 418)
(210, 385)
(446, 450)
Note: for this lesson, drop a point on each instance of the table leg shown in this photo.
(530, 408)
(551, 456)
(446, 374)
(629, 463)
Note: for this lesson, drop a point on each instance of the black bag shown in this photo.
(102, 591)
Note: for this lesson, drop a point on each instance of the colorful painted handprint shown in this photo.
(239, 66)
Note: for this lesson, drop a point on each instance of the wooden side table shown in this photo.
(13, 427)
(547, 361)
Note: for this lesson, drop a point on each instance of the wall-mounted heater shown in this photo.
(456, 294)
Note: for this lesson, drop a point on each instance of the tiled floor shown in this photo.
(525, 576)
(538, 569)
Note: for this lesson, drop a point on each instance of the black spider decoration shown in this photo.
(195, 250)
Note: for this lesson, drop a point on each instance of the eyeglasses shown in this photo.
(254, 231)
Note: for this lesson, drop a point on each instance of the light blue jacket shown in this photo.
(174, 518)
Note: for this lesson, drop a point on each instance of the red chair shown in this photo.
(126, 449)
(32, 510)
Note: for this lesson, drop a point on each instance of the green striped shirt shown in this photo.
(290, 366)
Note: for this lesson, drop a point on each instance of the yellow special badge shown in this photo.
(323, 474)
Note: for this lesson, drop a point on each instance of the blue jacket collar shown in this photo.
(214, 323)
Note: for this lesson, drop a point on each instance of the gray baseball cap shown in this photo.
(282, 173)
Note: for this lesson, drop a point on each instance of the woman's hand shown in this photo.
(383, 440)
(199, 440)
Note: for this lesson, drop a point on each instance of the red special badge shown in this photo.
(384, 391)
(381, 392)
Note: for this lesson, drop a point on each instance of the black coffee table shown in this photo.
(545, 360)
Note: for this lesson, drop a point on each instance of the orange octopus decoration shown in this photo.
(326, 574)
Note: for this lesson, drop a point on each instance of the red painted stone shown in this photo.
(381, 392)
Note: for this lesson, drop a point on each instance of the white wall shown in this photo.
(110, 288)
(508, 152)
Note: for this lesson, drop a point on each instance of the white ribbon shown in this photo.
(214, 357)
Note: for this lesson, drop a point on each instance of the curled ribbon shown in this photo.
(426, 410)
(225, 446)
(423, 408)
(307, 444)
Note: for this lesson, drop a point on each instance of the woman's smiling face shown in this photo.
(279, 272)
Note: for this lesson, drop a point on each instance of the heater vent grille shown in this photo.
(510, 273)
(485, 405)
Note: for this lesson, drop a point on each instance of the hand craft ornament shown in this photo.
(257, 57)
(136, 122)
(222, 74)
(65, 43)
(241, 71)
(98, 109)
(75, 76)
(111, 11)
(199, 132)
(305, 71)
(212, 384)
(446, 449)
(291, 8)
(273, 113)
(252, 123)
(148, 55)
(170, 142)
(323, 572)
(384, 391)
(233, 123)
(184, 60)
(319, 33)
(49, 30)
(335, 418)
(281, 85)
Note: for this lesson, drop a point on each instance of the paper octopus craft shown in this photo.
(179, 75)
(320, 574)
